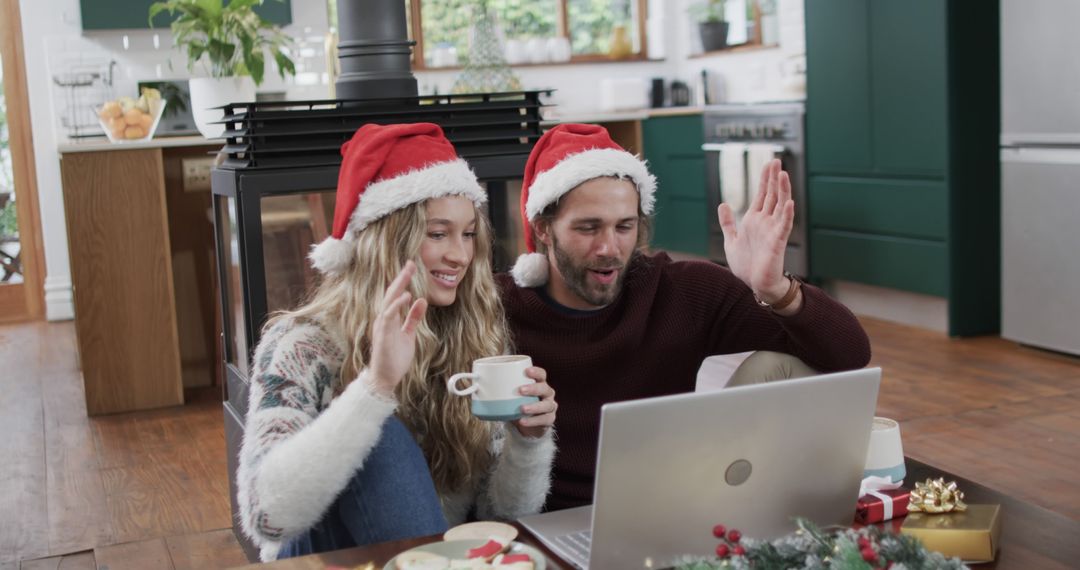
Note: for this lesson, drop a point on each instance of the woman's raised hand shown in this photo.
(393, 335)
(541, 415)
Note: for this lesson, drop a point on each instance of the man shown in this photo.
(610, 323)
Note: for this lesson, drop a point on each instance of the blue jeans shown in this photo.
(391, 497)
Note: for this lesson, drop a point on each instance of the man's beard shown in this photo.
(577, 279)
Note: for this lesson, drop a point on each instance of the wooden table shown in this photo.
(1031, 536)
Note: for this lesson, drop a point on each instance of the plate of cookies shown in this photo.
(469, 554)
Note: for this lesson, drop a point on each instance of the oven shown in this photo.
(739, 139)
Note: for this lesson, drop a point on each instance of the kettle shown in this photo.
(680, 94)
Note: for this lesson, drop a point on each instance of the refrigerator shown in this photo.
(1040, 173)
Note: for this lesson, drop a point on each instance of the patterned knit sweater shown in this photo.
(651, 342)
(301, 446)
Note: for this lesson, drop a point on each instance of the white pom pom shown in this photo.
(531, 270)
(332, 256)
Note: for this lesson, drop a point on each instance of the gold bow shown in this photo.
(936, 496)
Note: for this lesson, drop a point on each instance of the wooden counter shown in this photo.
(623, 126)
(142, 274)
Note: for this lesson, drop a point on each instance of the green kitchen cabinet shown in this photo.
(672, 146)
(133, 14)
(902, 118)
(896, 262)
(908, 86)
(891, 207)
(838, 86)
(876, 87)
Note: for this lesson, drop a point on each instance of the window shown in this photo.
(530, 29)
(750, 24)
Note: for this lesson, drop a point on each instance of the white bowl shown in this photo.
(156, 110)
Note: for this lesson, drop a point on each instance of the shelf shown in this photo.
(741, 48)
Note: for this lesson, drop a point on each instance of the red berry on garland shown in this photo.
(734, 535)
(739, 551)
(863, 542)
(868, 554)
(722, 551)
(719, 531)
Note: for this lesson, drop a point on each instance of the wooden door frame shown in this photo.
(29, 303)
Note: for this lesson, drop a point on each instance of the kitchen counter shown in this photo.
(102, 143)
(142, 252)
(554, 117)
(623, 126)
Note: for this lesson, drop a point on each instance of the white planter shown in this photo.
(210, 92)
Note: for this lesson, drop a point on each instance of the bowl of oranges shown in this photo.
(132, 120)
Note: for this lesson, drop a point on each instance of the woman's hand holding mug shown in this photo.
(509, 388)
(393, 334)
(541, 415)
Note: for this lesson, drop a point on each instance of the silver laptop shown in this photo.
(750, 457)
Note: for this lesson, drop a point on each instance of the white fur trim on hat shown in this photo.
(332, 255)
(530, 270)
(550, 185)
(450, 178)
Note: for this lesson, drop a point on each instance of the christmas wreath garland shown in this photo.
(811, 548)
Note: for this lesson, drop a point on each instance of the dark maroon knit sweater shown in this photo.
(651, 341)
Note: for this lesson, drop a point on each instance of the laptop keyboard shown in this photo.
(576, 546)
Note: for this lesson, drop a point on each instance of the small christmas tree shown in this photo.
(486, 70)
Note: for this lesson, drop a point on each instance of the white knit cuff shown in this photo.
(299, 479)
(517, 439)
(522, 477)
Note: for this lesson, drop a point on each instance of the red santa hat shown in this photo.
(385, 168)
(566, 156)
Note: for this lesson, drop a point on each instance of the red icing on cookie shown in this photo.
(488, 550)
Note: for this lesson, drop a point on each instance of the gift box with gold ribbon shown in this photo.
(973, 534)
(939, 518)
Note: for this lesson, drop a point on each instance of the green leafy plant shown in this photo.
(9, 222)
(707, 11)
(176, 100)
(232, 36)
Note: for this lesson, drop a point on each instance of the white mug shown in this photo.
(494, 389)
(885, 457)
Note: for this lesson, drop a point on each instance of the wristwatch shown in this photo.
(787, 299)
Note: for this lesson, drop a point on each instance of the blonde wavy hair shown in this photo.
(455, 443)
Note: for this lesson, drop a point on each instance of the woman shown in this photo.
(351, 435)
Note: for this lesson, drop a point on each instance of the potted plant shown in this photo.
(709, 15)
(230, 41)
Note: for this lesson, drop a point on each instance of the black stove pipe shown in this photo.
(374, 50)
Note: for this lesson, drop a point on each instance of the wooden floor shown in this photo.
(140, 490)
(149, 489)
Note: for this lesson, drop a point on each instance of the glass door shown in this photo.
(20, 282)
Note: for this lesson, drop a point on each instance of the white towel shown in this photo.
(733, 176)
(757, 156)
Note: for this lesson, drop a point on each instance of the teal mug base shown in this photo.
(501, 410)
(897, 473)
